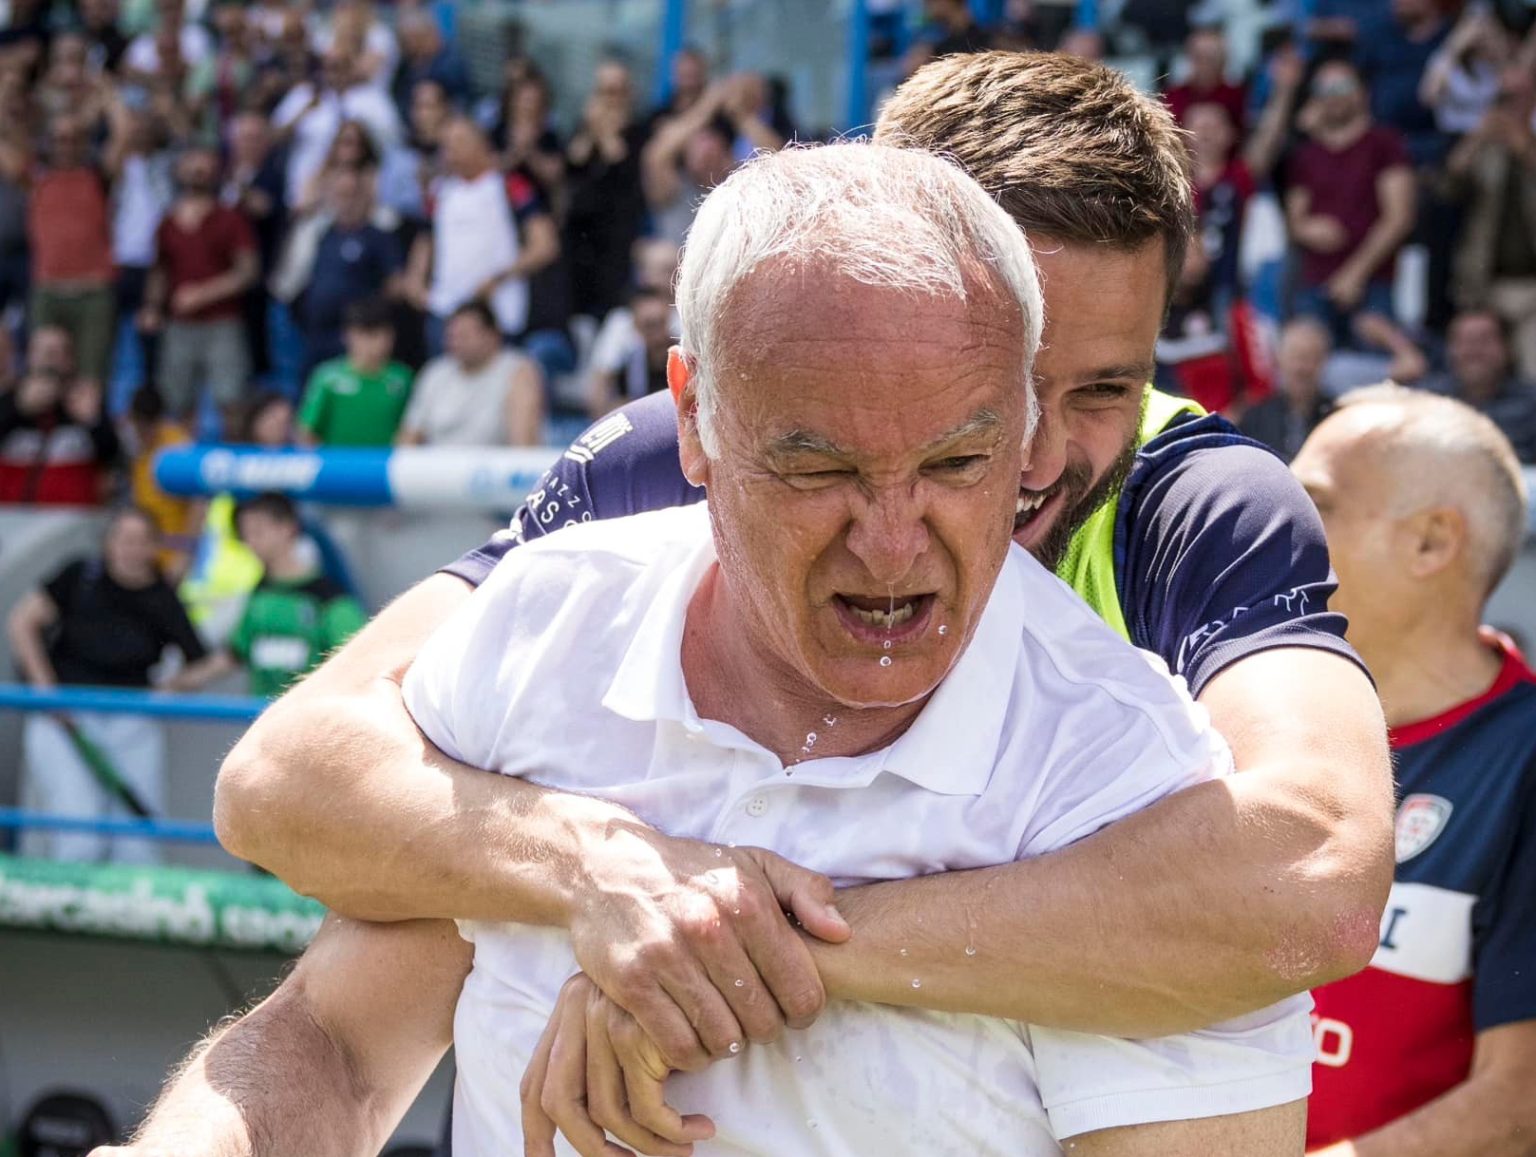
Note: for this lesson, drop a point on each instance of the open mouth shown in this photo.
(1033, 510)
(882, 619)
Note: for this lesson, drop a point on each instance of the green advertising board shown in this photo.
(180, 906)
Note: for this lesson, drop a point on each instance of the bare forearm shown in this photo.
(268, 1085)
(32, 657)
(1194, 911)
(1489, 1117)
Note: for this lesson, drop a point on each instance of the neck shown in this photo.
(1479, 389)
(368, 366)
(1301, 399)
(734, 680)
(132, 577)
(1344, 133)
(1430, 663)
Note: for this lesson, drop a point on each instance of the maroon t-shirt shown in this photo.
(189, 256)
(69, 226)
(1232, 97)
(1342, 185)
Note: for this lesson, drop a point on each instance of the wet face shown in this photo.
(863, 494)
(1350, 481)
(1476, 352)
(1103, 311)
(130, 545)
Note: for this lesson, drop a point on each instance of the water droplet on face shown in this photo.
(886, 644)
(970, 950)
(901, 952)
(829, 720)
(885, 660)
(740, 983)
(916, 983)
(735, 1046)
(798, 1060)
(737, 912)
(718, 852)
(812, 1125)
(943, 630)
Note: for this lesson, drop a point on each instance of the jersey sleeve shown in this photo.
(1504, 948)
(1224, 556)
(622, 465)
(317, 396)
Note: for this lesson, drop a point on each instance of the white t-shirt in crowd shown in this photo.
(453, 406)
(619, 349)
(474, 238)
(378, 41)
(565, 667)
(315, 128)
(141, 196)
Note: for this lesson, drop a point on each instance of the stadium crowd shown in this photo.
(293, 225)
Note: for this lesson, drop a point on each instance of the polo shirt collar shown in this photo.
(951, 747)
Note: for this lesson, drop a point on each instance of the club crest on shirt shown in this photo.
(1420, 820)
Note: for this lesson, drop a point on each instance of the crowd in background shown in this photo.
(289, 223)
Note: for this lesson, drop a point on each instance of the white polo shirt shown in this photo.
(565, 667)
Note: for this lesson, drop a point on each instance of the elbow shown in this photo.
(240, 798)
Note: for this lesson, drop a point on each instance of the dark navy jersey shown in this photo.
(1218, 551)
(1457, 953)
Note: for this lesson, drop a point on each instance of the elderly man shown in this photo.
(793, 665)
(1189, 931)
(1431, 1049)
(1481, 373)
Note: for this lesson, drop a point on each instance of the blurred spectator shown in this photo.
(143, 178)
(688, 78)
(357, 30)
(607, 208)
(313, 111)
(1339, 25)
(355, 260)
(254, 187)
(425, 55)
(1480, 373)
(218, 86)
(1205, 52)
(353, 147)
(478, 393)
(50, 347)
(491, 231)
(205, 260)
(655, 270)
(358, 399)
(104, 39)
(287, 61)
(296, 615)
(957, 27)
(56, 441)
(693, 153)
(148, 55)
(1395, 61)
(14, 257)
(1349, 204)
(71, 86)
(527, 142)
(149, 432)
(1461, 81)
(638, 366)
(1496, 260)
(408, 168)
(101, 621)
(70, 233)
(1283, 420)
(1083, 43)
(25, 37)
(223, 571)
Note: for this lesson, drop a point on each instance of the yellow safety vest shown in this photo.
(1089, 564)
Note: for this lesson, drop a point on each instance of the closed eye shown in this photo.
(959, 464)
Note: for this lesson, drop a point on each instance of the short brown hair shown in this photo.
(1068, 147)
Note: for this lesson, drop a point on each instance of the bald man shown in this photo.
(1432, 1049)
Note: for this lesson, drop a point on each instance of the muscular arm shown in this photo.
(329, 1063)
(1490, 1114)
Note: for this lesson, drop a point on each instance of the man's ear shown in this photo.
(690, 449)
(1439, 539)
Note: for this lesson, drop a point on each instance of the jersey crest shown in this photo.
(1420, 820)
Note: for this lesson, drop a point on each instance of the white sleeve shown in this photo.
(1158, 742)
(1258, 1061)
(289, 108)
(610, 349)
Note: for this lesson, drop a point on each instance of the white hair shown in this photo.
(1448, 453)
(893, 218)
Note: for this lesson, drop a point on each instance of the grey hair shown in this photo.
(1476, 469)
(876, 215)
